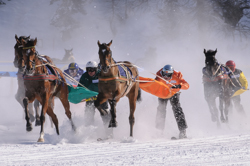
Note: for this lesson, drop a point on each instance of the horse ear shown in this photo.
(35, 41)
(215, 51)
(16, 37)
(99, 44)
(109, 44)
(28, 37)
(205, 51)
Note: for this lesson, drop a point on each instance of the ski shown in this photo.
(174, 138)
(102, 139)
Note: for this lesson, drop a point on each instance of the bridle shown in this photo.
(106, 67)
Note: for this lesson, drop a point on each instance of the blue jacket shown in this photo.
(77, 77)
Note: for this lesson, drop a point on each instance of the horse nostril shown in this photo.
(31, 68)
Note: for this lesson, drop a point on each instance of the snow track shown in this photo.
(223, 150)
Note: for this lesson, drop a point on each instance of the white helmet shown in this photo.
(92, 64)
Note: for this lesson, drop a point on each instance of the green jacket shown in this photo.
(90, 82)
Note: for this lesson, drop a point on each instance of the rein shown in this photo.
(120, 63)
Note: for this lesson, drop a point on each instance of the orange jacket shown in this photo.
(176, 80)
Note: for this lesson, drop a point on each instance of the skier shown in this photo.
(75, 72)
(240, 83)
(176, 82)
(90, 80)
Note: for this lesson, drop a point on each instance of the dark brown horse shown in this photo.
(216, 84)
(19, 63)
(112, 85)
(43, 86)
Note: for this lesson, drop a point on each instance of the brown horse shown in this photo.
(19, 63)
(112, 85)
(41, 85)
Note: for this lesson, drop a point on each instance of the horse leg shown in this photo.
(45, 104)
(64, 99)
(212, 108)
(132, 104)
(53, 116)
(227, 107)
(31, 112)
(221, 102)
(113, 122)
(26, 101)
(36, 106)
(100, 100)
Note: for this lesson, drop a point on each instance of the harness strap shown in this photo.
(103, 79)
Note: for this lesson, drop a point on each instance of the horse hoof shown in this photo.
(38, 123)
(29, 128)
(113, 124)
(40, 140)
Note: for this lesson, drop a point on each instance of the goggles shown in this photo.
(91, 69)
(166, 74)
(72, 71)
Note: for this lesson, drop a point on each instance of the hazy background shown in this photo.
(148, 33)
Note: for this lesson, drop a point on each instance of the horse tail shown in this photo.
(139, 95)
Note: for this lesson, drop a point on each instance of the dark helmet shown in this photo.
(167, 72)
(231, 65)
(73, 66)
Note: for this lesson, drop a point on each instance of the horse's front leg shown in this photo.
(100, 100)
(27, 116)
(36, 106)
(227, 107)
(113, 122)
(45, 104)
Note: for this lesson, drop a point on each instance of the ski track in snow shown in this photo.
(223, 150)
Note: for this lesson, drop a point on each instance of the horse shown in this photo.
(68, 57)
(43, 86)
(113, 86)
(18, 60)
(216, 84)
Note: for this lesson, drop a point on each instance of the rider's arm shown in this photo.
(243, 80)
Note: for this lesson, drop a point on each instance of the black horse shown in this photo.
(216, 84)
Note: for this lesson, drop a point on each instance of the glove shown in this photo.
(176, 87)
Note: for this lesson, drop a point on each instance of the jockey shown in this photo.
(90, 80)
(75, 72)
(176, 82)
(240, 84)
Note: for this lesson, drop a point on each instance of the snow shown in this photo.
(207, 144)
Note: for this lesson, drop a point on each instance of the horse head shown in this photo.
(29, 55)
(68, 55)
(18, 60)
(211, 62)
(105, 55)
